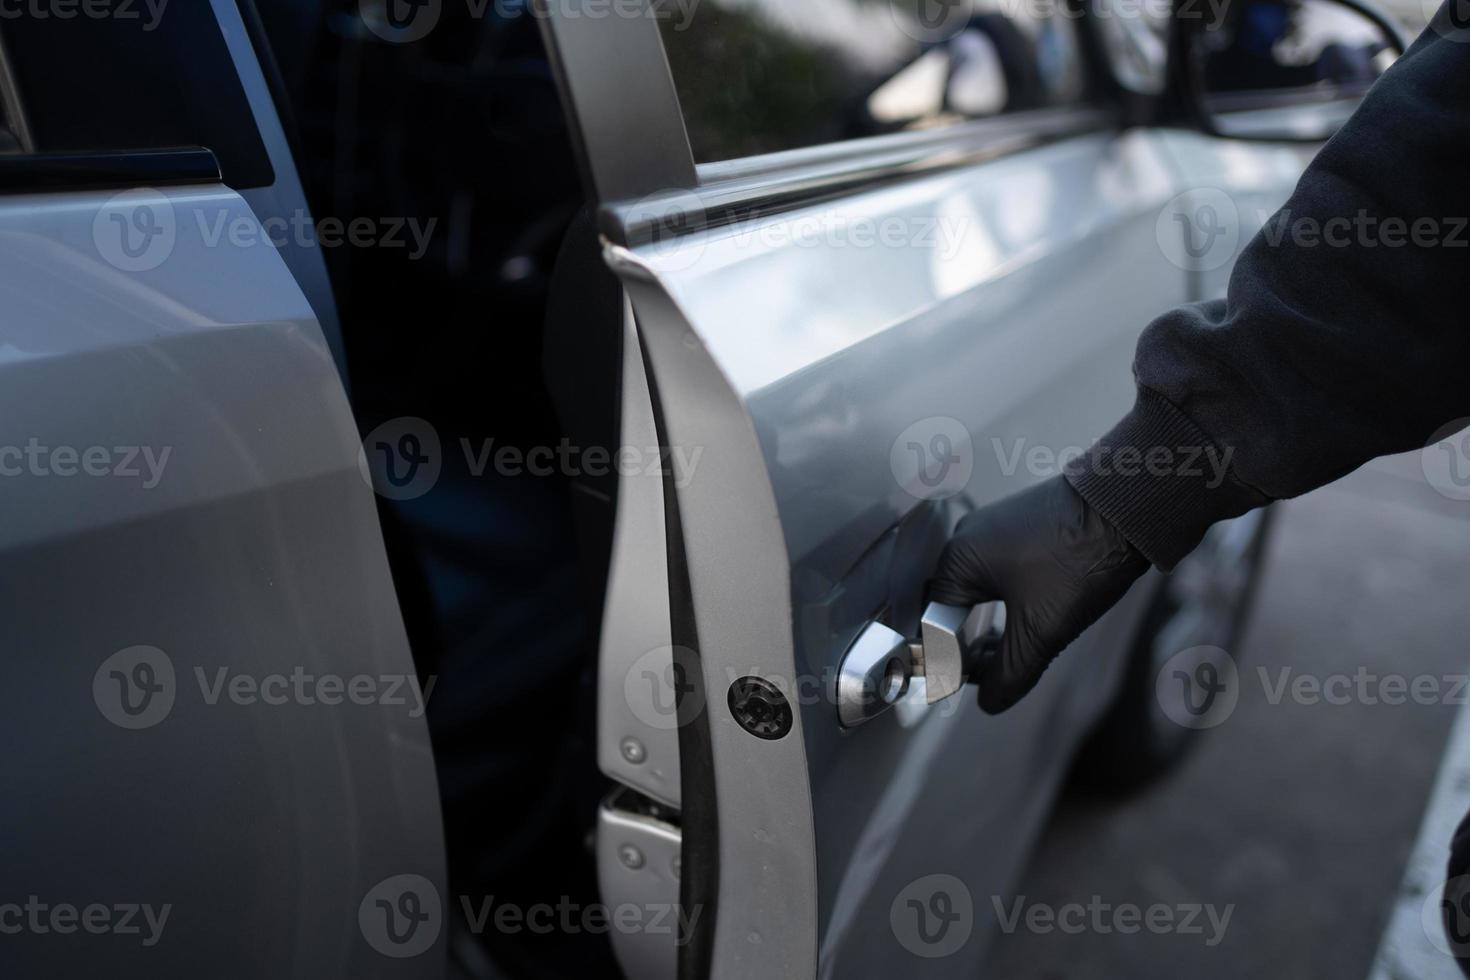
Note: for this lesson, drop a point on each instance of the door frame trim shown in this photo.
(618, 93)
(628, 127)
(751, 879)
(760, 186)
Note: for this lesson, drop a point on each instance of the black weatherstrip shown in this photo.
(123, 169)
(699, 816)
(156, 80)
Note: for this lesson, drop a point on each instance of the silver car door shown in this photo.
(219, 763)
(844, 347)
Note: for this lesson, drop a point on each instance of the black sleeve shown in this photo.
(1332, 348)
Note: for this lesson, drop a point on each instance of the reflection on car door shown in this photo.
(861, 341)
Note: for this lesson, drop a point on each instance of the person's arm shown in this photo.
(1330, 350)
(1344, 336)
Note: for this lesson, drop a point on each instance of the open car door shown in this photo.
(842, 347)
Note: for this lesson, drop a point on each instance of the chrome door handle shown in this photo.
(951, 638)
(876, 670)
(874, 674)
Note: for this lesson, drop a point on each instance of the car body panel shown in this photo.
(246, 545)
(796, 357)
(1244, 181)
(188, 533)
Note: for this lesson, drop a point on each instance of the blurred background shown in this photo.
(1271, 811)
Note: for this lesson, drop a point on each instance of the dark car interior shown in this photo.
(465, 128)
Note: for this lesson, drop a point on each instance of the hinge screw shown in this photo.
(630, 856)
(633, 750)
(760, 707)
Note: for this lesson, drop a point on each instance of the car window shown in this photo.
(9, 143)
(92, 83)
(758, 76)
(1280, 46)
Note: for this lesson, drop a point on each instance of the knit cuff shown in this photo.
(1160, 481)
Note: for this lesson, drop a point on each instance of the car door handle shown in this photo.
(952, 643)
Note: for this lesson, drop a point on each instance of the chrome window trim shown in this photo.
(628, 125)
(1306, 122)
(914, 144)
(1251, 100)
(756, 186)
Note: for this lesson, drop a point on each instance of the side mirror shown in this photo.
(1282, 70)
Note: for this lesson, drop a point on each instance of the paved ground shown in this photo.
(1298, 817)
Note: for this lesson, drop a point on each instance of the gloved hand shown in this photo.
(1056, 563)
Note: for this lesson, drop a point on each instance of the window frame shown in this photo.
(638, 163)
(33, 165)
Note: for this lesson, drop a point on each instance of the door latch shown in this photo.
(638, 852)
(953, 642)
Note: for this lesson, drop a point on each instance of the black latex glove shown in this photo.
(1056, 563)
